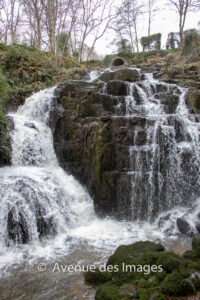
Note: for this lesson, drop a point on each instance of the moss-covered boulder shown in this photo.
(133, 251)
(175, 285)
(146, 271)
(97, 277)
(108, 291)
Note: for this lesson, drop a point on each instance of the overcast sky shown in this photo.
(165, 21)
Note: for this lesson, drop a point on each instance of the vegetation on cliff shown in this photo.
(23, 71)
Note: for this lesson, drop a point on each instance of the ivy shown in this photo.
(152, 42)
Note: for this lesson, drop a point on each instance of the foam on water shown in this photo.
(35, 179)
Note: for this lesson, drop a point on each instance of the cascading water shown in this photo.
(164, 151)
(38, 198)
(46, 213)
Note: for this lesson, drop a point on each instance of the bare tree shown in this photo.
(34, 10)
(93, 20)
(130, 12)
(151, 13)
(183, 7)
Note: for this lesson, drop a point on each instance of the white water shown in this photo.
(35, 178)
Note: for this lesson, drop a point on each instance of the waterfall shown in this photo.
(164, 161)
(45, 211)
(37, 197)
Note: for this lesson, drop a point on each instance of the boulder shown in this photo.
(30, 125)
(184, 227)
(124, 74)
(193, 100)
(116, 88)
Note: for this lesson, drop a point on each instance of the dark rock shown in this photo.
(10, 122)
(17, 227)
(184, 227)
(123, 74)
(130, 75)
(193, 100)
(107, 76)
(31, 125)
(116, 88)
(198, 227)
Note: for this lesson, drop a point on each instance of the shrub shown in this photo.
(151, 42)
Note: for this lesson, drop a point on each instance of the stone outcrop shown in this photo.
(93, 141)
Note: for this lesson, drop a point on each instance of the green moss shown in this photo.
(107, 291)
(106, 61)
(103, 151)
(4, 141)
(132, 251)
(150, 293)
(97, 277)
(28, 70)
(175, 285)
(196, 283)
(196, 245)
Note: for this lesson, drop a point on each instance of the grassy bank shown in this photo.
(23, 71)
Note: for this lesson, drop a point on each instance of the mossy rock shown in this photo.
(108, 291)
(150, 293)
(191, 255)
(175, 285)
(123, 253)
(196, 245)
(97, 277)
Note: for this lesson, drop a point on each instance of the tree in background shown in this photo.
(40, 23)
(62, 46)
(183, 7)
(151, 10)
(130, 12)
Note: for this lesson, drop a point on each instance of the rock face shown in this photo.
(105, 136)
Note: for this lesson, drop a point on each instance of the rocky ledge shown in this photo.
(92, 140)
(155, 273)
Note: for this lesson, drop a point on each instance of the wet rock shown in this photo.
(130, 75)
(198, 227)
(10, 122)
(116, 88)
(17, 227)
(123, 74)
(184, 227)
(128, 289)
(31, 125)
(193, 100)
(107, 76)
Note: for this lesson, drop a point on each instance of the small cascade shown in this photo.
(38, 198)
(163, 170)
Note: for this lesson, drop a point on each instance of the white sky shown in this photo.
(165, 21)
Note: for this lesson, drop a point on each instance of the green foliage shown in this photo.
(191, 45)
(106, 61)
(62, 43)
(108, 291)
(151, 42)
(175, 285)
(3, 121)
(125, 53)
(173, 40)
